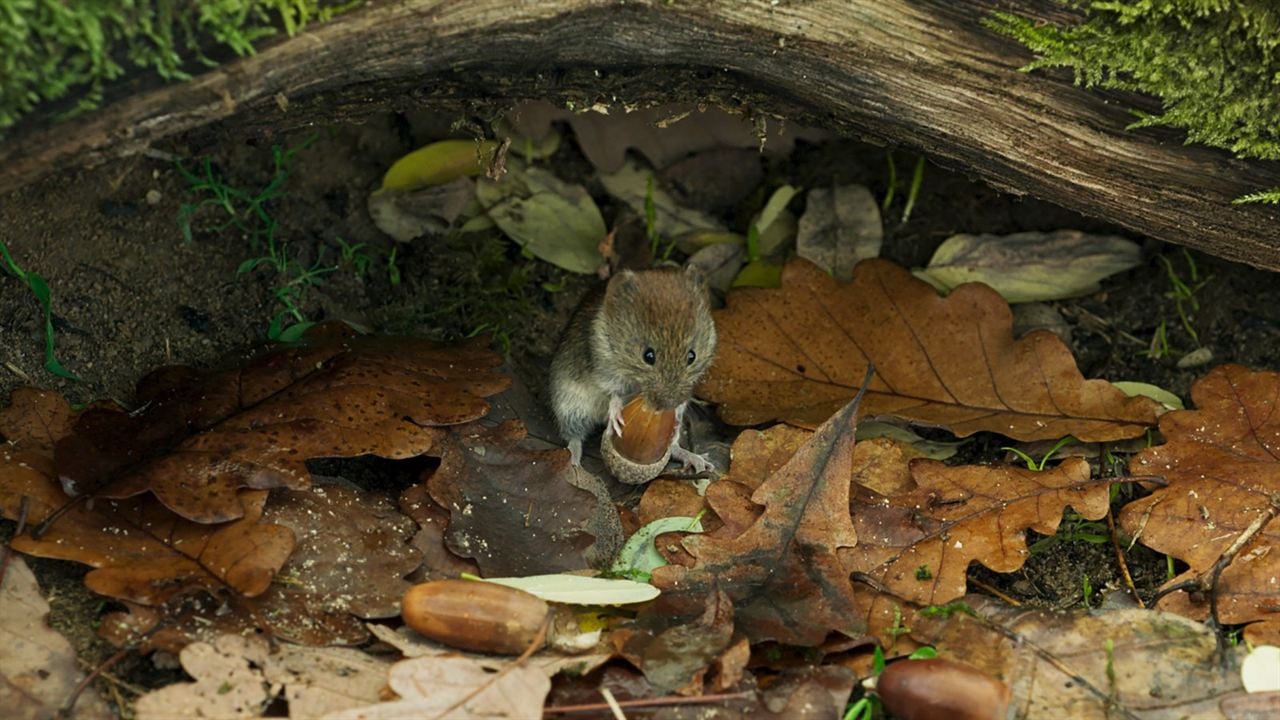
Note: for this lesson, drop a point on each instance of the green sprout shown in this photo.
(1038, 465)
(40, 289)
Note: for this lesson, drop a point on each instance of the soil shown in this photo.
(129, 294)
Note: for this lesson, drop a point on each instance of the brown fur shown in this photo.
(601, 354)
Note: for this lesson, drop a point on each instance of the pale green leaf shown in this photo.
(554, 220)
(1031, 266)
(630, 184)
(1159, 394)
(639, 556)
(581, 590)
(839, 227)
(932, 449)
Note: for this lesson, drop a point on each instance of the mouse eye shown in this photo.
(688, 359)
(650, 357)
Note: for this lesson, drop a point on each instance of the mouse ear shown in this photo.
(621, 285)
(696, 276)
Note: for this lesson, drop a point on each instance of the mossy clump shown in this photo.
(56, 49)
(1214, 64)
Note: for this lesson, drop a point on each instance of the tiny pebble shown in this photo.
(153, 197)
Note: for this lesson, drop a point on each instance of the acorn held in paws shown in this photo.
(644, 447)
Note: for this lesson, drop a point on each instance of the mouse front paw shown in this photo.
(615, 421)
(699, 463)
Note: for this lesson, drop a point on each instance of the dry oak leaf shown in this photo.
(919, 542)
(431, 686)
(673, 652)
(38, 666)
(798, 353)
(520, 512)
(353, 551)
(36, 419)
(200, 436)
(783, 572)
(141, 551)
(229, 682)
(1222, 465)
(1129, 663)
(238, 676)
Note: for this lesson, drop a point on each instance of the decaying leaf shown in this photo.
(38, 666)
(521, 512)
(140, 550)
(438, 562)
(840, 227)
(556, 221)
(797, 353)
(1222, 466)
(783, 572)
(36, 419)
(662, 134)
(353, 554)
(719, 264)
(408, 214)
(237, 677)
(715, 180)
(549, 661)
(318, 681)
(1125, 663)
(637, 186)
(676, 656)
(229, 682)
(201, 436)
(1032, 266)
(428, 686)
(918, 543)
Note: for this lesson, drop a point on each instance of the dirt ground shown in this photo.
(130, 295)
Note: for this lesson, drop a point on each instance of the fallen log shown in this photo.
(919, 73)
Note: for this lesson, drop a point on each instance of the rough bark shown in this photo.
(921, 73)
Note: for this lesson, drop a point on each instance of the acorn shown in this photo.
(937, 689)
(474, 615)
(644, 448)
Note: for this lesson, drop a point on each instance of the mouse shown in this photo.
(646, 332)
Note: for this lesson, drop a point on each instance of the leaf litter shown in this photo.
(831, 539)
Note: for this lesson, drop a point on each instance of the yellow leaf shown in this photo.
(438, 163)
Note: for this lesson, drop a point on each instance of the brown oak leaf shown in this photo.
(1104, 664)
(140, 550)
(354, 550)
(783, 573)
(521, 512)
(200, 436)
(919, 542)
(797, 353)
(1222, 466)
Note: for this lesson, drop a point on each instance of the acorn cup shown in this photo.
(644, 447)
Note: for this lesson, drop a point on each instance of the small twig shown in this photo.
(1208, 581)
(989, 588)
(528, 652)
(17, 371)
(646, 702)
(112, 678)
(1124, 565)
(69, 705)
(6, 553)
(1018, 639)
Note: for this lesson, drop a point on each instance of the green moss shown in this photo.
(69, 49)
(1214, 64)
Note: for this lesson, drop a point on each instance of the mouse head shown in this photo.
(654, 329)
